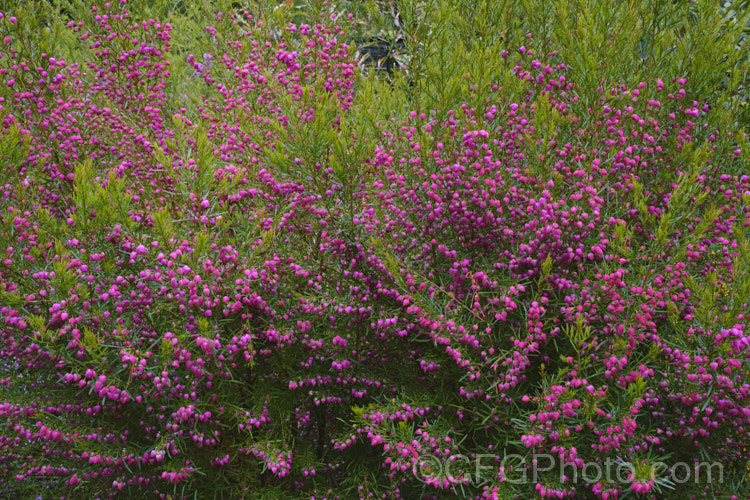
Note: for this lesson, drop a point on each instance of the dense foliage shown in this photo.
(236, 263)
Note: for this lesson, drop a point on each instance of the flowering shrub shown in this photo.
(224, 272)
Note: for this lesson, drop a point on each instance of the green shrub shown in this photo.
(235, 264)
